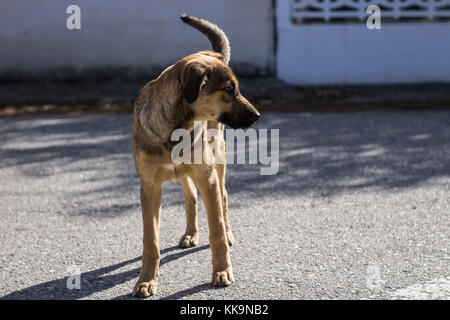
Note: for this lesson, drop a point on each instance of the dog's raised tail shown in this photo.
(216, 36)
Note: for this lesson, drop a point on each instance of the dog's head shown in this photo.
(211, 90)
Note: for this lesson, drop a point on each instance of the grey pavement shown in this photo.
(360, 209)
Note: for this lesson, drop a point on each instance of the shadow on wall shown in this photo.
(320, 155)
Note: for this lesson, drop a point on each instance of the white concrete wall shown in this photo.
(311, 54)
(131, 33)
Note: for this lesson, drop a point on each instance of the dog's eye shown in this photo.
(229, 90)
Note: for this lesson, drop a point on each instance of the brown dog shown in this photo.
(199, 87)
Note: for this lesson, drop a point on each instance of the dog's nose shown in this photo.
(255, 116)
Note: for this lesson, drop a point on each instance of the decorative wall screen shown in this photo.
(355, 10)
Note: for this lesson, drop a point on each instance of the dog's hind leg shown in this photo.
(190, 237)
(221, 171)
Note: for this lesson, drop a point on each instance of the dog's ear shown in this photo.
(193, 77)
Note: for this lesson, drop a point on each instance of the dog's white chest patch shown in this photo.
(171, 168)
(168, 167)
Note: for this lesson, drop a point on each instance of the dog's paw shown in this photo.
(143, 289)
(230, 237)
(222, 278)
(189, 240)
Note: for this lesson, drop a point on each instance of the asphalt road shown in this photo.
(360, 209)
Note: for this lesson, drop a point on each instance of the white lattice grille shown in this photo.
(351, 10)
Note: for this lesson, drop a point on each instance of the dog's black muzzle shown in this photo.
(239, 121)
(243, 115)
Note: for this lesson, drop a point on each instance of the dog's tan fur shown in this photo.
(195, 88)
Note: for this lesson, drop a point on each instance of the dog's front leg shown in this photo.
(151, 209)
(207, 181)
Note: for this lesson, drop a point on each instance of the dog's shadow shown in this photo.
(97, 281)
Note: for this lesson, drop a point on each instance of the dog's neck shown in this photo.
(195, 129)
